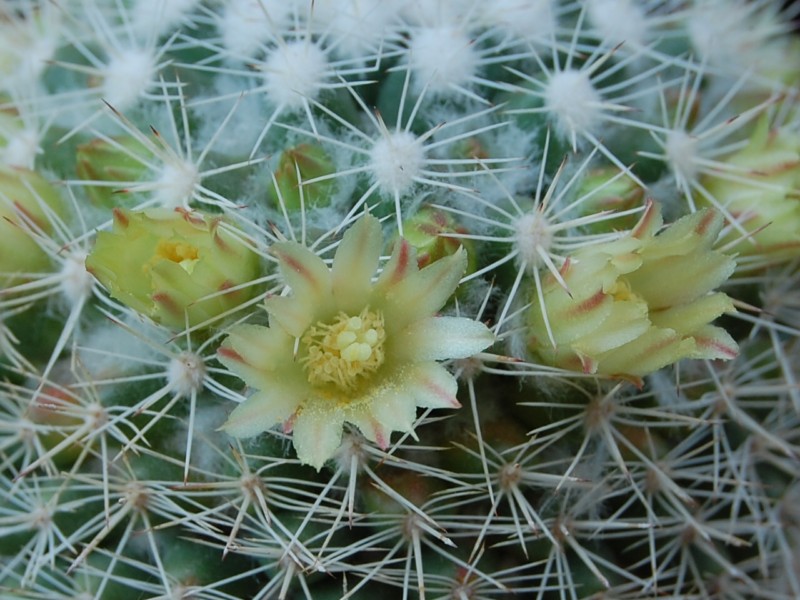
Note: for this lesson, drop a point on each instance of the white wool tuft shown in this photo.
(76, 281)
(21, 149)
(682, 153)
(524, 19)
(126, 77)
(396, 160)
(160, 16)
(185, 373)
(295, 72)
(441, 58)
(619, 21)
(246, 24)
(176, 184)
(571, 98)
(532, 235)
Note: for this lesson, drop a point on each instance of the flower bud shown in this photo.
(177, 267)
(28, 204)
(637, 303)
(764, 192)
(111, 161)
(310, 161)
(605, 189)
(427, 232)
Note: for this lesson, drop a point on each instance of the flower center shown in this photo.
(182, 253)
(344, 350)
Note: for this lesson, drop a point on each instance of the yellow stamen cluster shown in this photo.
(184, 254)
(340, 352)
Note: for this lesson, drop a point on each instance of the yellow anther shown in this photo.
(344, 339)
(184, 254)
(344, 351)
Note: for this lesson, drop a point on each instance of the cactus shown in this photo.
(422, 298)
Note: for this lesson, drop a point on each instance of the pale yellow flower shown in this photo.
(28, 206)
(177, 267)
(760, 186)
(637, 303)
(343, 348)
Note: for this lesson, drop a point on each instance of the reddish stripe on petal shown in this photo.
(120, 218)
(705, 222)
(288, 424)
(588, 364)
(165, 300)
(589, 304)
(402, 262)
(644, 223)
(230, 353)
(190, 216)
(298, 267)
(442, 393)
(720, 347)
(380, 439)
(219, 242)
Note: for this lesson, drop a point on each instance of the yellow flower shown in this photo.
(28, 206)
(760, 186)
(175, 266)
(637, 303)
(344, 349)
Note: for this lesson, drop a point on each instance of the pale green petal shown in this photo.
(651, 351)
(370, 428)
(304, 272)
(262, 411)
(623, 323)
(441, 338)
(317, 434)
(431, 385)
(423, 293)
(395, 408)
(402, 263)
(686, 318)
(714, 343)
(254, 352)
(293, 313)
(692, 233)
(678, 279)
(649, 223)
(355, 263)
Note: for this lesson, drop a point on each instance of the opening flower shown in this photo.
(175, 266)
(760, 185)
(28, 205)
(346, 349)
(637, 303)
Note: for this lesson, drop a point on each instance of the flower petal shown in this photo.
(432, 386)
(317, 434)
(422, 293)
(256, 345)
(402, 264)
(303, 271)
(355, 263)
(686, 318)
(294, 314)
(714, 343)
(649, 352)
(370, 428)
(395, 409)
(262, 411)
(440, 338)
